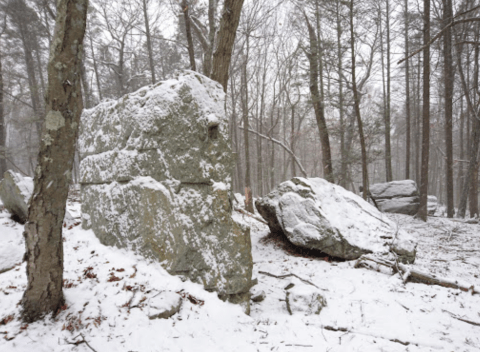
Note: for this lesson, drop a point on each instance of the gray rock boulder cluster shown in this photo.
(15, 192)
(155, 174)
(396, 197)
(316, 214)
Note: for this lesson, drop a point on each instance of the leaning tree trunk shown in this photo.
(226, 37)
(43, 230)
(422, 210)
(318, 104)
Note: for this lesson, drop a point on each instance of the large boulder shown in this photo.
(15, 192)
(396, 197)
(156, 178)
(316, 214)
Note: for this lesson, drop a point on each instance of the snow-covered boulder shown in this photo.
(304, 299)
(15, 192)
(432, 204)
(396, 197)
(164, 305)
(316, 214)
(156, 178)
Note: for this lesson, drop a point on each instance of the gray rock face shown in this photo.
(396, 197)
(156, 173)
(432, 204)
(316, 214)
(15, 192)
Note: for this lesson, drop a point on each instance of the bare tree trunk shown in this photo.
(449, 81)
(343, 156)
(149, 41)
(388, 147)
(43, 230)
(407, 98)
(318, 104)
(207, 60)
(3, 144)
(248, 182)
(473, 196)
(95, 68)
(186, 18)
(422, 211)
(356, 103)
(226, 38)
(86, 87)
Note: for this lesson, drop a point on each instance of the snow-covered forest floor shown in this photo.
(107, 292)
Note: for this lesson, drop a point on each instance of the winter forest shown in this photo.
(239, 175)
(316, 88)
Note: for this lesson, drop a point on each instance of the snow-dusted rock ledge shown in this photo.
(316, 214)
(156, 178)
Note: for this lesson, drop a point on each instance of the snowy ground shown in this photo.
(108, 290)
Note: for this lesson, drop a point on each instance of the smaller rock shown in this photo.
(164, 305)
(259, 296)
(15, 192)
(305, 299)
(396, 197)
(432, 204)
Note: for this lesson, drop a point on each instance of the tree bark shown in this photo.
(245, 111)
(449, 77)
(422, 211)
(226, 38)
(188, 30)
(43, 230)
(3, 144)
(356, 102)
(318, 104)
(407, 98)
(388, 148)
(343, 157)
(149, 42)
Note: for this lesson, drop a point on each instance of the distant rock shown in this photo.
(164, 305)
(396, 197)
(432, 204)
(304, 299)
(15, 192)
(316, 214)
(156, 172)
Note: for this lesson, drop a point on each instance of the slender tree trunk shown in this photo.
(356, 102)
(95, 68)
(3, 144)
(86, 87)
(43, 230)
(407, 98)
(388, 147)
(422, 211)
(149, 42)
(449, 81)
(208, 57)
(473, 196)
(248, 182)
(226, 38)
(318, 105)
(188, 30)
(343, 156)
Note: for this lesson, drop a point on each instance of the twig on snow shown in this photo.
(461, 319)
(288, 275)
(79, 342)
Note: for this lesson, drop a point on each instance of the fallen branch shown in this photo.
(288, 275)
(461, 319)
(253, 216)
(413, 275)
(342, 329)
